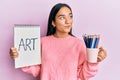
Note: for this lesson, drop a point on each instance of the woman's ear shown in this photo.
(53, 23)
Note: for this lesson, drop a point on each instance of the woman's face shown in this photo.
(63, 20)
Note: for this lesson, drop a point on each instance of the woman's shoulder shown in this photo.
(78, 39)
(45, 37)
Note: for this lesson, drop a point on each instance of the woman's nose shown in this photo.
(68, 20)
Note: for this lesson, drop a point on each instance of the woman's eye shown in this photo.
(61, 17)
(71, 16)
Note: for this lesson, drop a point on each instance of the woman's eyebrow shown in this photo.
(63, 15)
(70, 13)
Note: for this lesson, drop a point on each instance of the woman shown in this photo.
(63, 55)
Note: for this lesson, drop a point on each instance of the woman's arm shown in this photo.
(86, 70)
(34, 70)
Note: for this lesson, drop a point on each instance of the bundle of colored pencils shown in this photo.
(91, 41)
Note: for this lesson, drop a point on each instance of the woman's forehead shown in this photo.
(64, 11)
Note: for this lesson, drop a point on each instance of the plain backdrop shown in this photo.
(90, 17)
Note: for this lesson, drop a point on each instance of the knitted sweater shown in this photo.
(63, 59)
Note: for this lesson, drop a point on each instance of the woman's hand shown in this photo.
(102, 54)
(13, 53)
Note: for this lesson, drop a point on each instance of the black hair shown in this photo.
(51, 30)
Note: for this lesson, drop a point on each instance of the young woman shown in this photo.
(63, 55)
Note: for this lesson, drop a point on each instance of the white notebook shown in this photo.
(27, 42)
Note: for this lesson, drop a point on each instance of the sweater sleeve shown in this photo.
(34, 70)
(86, 70)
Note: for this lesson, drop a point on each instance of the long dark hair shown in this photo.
(51, 30)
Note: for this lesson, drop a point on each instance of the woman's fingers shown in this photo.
(13, 53)
(102, 54)
(101, 49)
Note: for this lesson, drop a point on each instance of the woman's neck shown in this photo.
(61, 35)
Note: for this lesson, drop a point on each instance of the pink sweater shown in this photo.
(63, 59)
